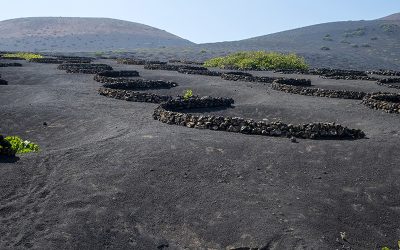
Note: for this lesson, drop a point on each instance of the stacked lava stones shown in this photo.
(388, 102)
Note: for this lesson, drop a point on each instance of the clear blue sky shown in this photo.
(209, 20)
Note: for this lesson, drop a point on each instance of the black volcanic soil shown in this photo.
(109, 176)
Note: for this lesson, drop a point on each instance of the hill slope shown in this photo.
(355, 44)
(81, 34)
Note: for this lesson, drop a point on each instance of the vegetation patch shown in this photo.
(327, 37)
(354, 33)
(258, 60)
(12, 145)
(23, 55)
(389, 28)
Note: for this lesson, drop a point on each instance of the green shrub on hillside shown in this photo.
(24, 55)
(258, 60)
(389, 27)
(354, 33)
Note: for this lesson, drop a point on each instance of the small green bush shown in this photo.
(389, 27)
(188, 94)
(20, 146)
(258, 60)
(24, 55)
(356, 32)
(327, 37)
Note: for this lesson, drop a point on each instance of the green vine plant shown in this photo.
(12, 145)
(187, 94)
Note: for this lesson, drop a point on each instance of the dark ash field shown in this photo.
(109, 176)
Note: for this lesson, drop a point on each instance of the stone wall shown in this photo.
(199, 72)
(344, 94)
(294, 81)
(388, 82)
(136, 84)
(121, 73)
(168, 113)
(84, 68)
(133, 96)
(172, 67)
(383, 72)
(10, 65)
(47, 60)
(132, 61)
(246, 77)
(330, 73)
(75, 59)
(388, 102)
(12, 58)
(185, 62)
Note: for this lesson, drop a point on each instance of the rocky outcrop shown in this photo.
(5, 148)
(388, 102)
(344, 94)
(246, 77)
(84, 68)
(169, 113)
(10, 65)
(133, 96)
(390, 82)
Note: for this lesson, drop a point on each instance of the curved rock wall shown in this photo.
(344, 94)
(46, 60)
(330, 73)
(199, 72)
(133, 96)
(122, 73)
(388, 82)
(246, 77)
(10, 65)
(185, 62)
(172, 67)
(75, 59)
(132, 61)
(167, 113)
(84, 68)
(136, 84)
(388, 102)
(294, 81)
(383, 72)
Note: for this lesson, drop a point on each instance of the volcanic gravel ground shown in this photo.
(109, 176)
